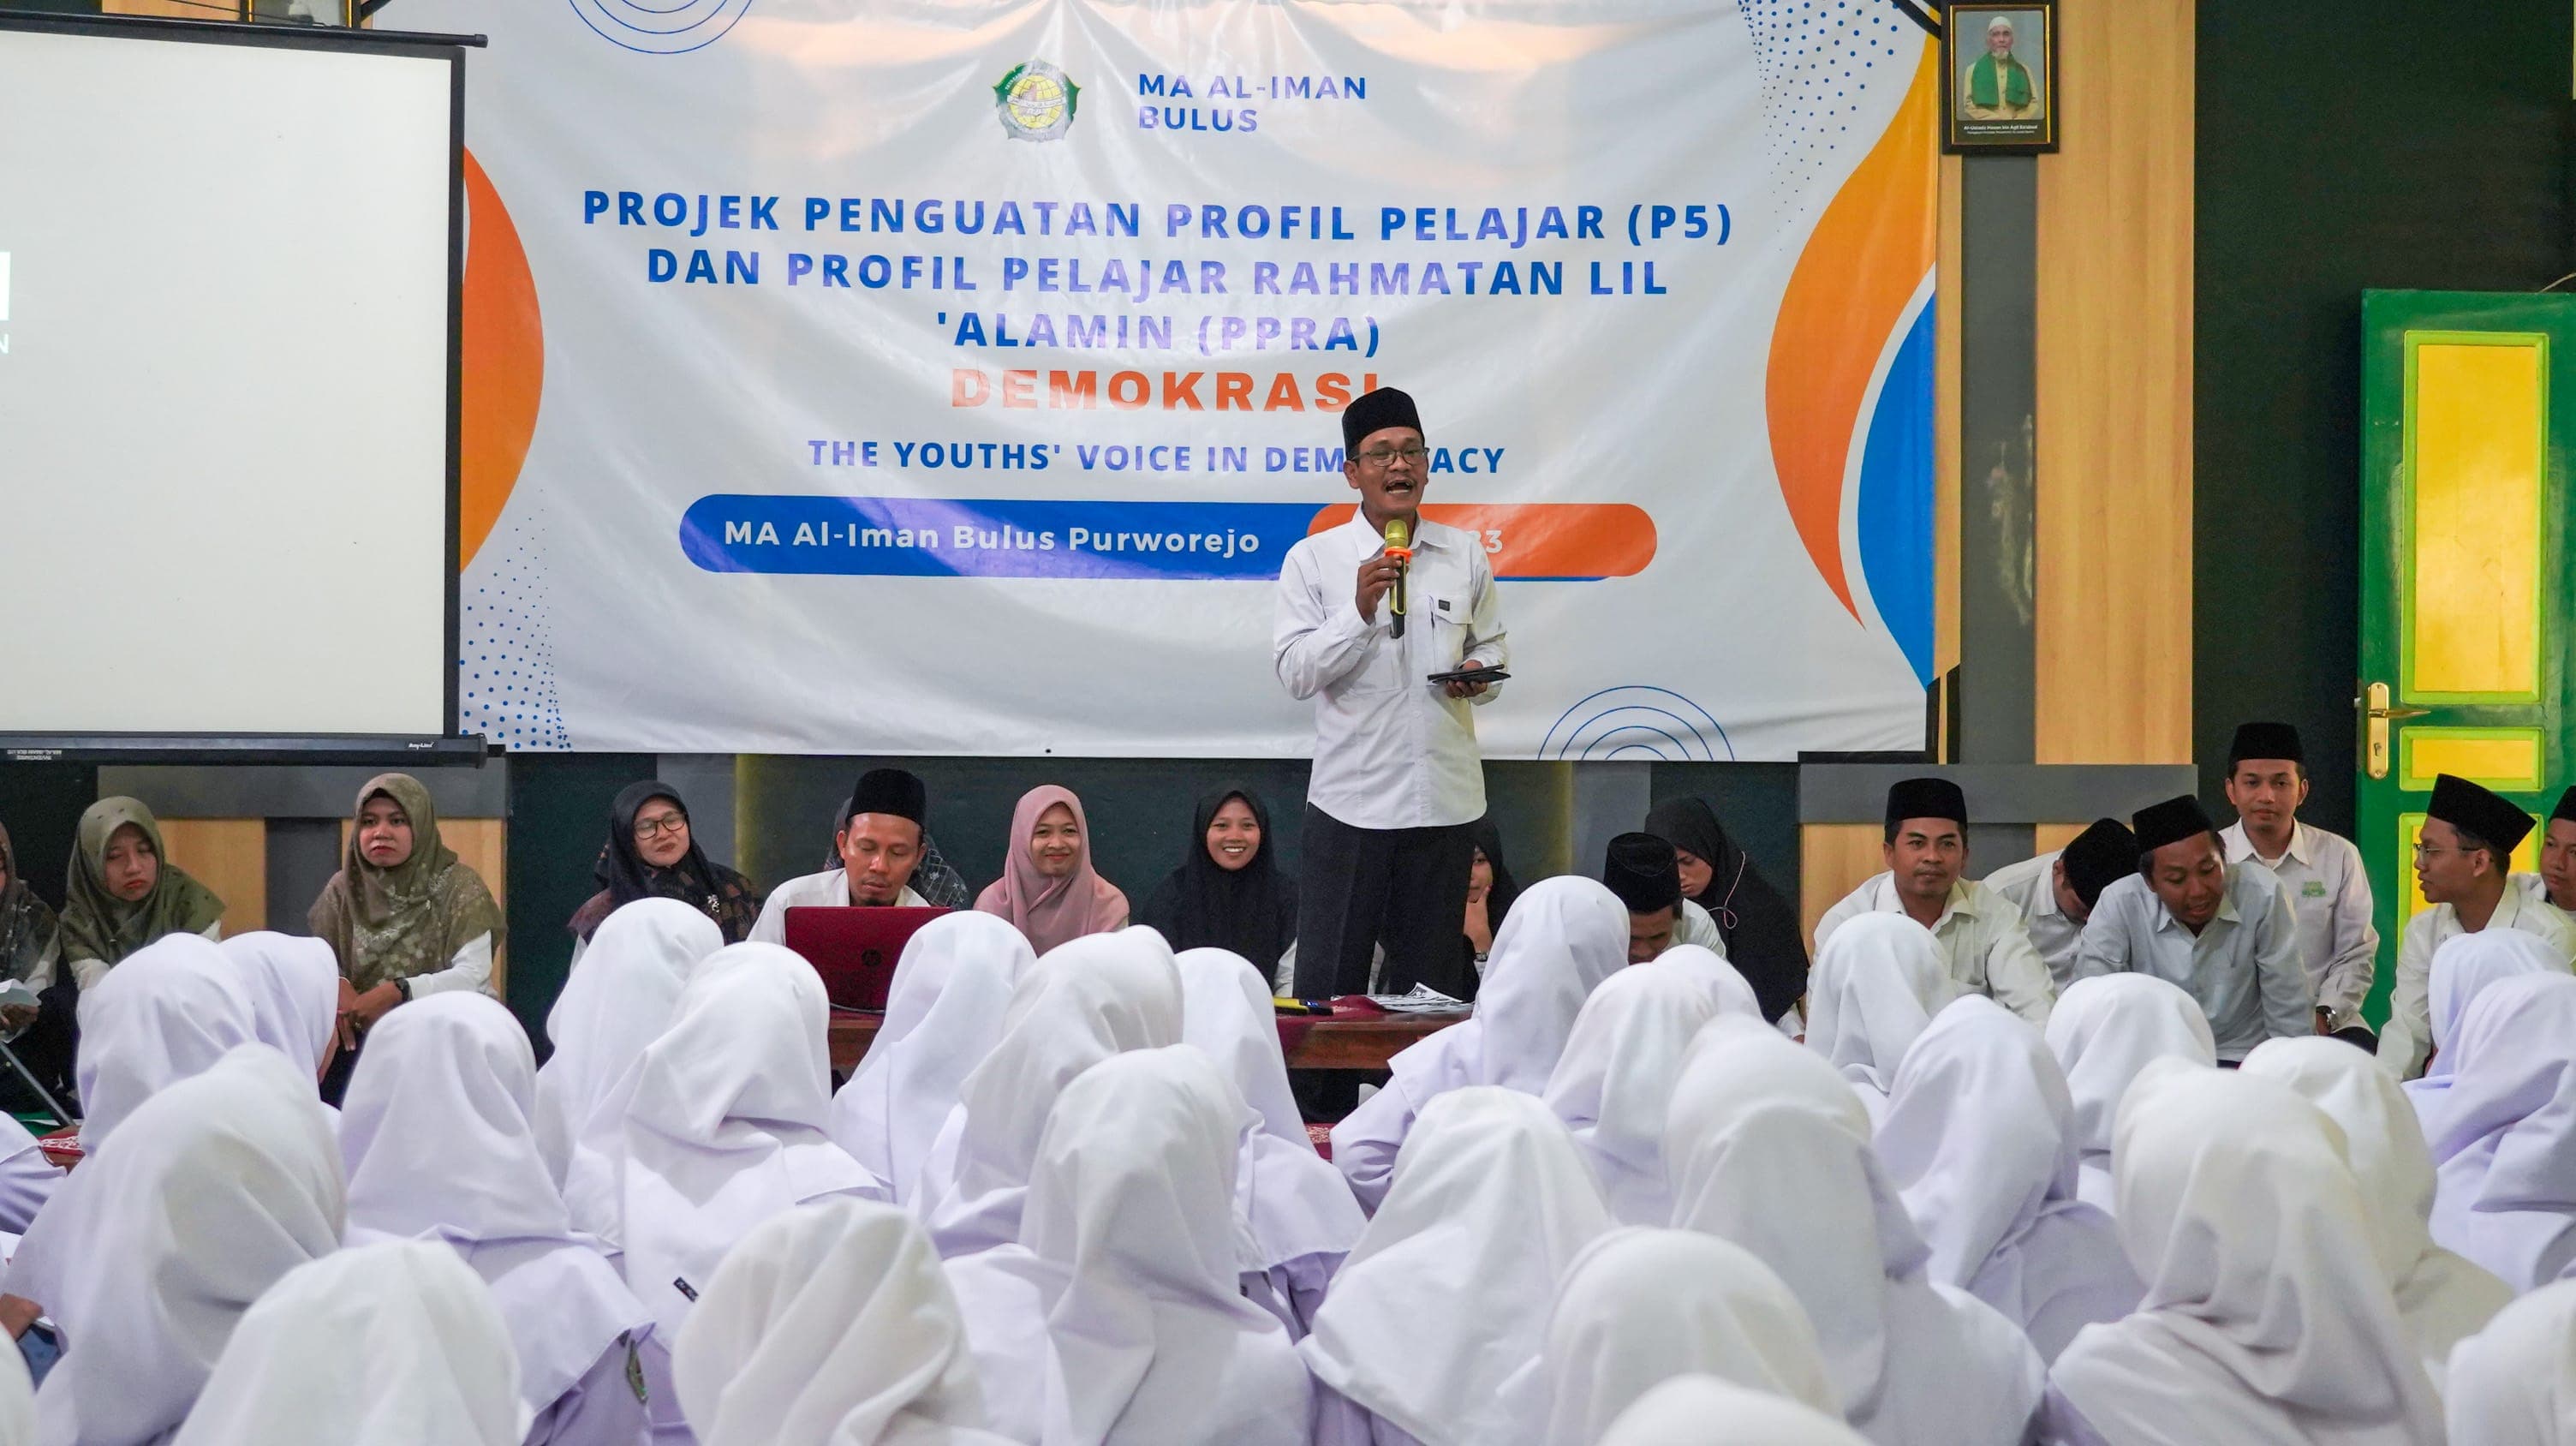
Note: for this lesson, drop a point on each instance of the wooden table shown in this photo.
(1326, 1044)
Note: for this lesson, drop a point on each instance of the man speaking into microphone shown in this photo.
(1369, 612)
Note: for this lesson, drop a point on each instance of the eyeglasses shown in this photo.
(656, 827)
(1385, 457)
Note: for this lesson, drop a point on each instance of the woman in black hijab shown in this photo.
(652, 854)
(1760, 929)
(1228, 892)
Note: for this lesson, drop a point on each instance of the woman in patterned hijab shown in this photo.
(404, 915)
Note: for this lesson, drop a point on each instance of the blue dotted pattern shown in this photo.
(1816, 61)
(505, 670)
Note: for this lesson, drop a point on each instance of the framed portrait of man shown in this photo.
(1999, 92)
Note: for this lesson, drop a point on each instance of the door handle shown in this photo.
(2374, 707)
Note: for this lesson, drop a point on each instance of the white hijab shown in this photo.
(951, 989)
(1705, 1411)
(172, 1009)
(718, 1125)
(2441, 1296)
(1769, 1147)
(1616, 1076)
(2514, 1383)
(1726, 985)
(1979, 1142)
(830, 1325)
(294, 989)
(1562, 938)
(1088, 999)
(2103, 1031)
(2462, 969)
(2504, 1147)
(2236, 1207)
(1446, 1298)
(618, 1000)
(435, 1137)
(1293, 1201)
(1131, 1216)
(393, 1344)
(17, 1400)
(1642, 1306)
(1878, 982)
(210, 1192)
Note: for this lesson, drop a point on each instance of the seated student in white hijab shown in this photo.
(27, 1178)
(1878, 982)
(1302, 1218)
(717, 1127)
(294, 988)
(1726, 986)
(2441, 1295)
(1979, 1141)
(392, 1344)
(830, 1325)
(2463, 853)
(951, 988)
(2462, 969)
(1644, 1306)
(1616, 1077)
(2504, 1147)
(1562, 938)
(171, 1010)
(1706, 1411)
(2512, 1384)
(1084, 1001)
(2237, 1209)
(1131, 1224)
(211, 1191)
(2105, 1030)
(1445, 1301)
(434, 1133)
(1769, 1148)
(17, 1399)
(618, 999)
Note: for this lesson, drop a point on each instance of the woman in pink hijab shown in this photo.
(1048, 888)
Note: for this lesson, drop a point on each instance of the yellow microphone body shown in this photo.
(1399, 545)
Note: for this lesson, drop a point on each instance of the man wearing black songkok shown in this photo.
(2267, 782)
(2462, 857)
(1980, 934)
(1646, 875)
(2556, 881)
(2056, 891)
(1397, 779)
(2226, 933)
(879, 846)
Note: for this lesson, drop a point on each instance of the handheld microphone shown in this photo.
(1399, 545)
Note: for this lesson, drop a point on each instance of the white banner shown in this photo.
(951, 376)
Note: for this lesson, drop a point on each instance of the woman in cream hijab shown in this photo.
(2258, 1329)
(434, 1358)
(830, 1325)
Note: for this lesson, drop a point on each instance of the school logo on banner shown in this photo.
(1036, 101)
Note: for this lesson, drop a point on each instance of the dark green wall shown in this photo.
(41, 805)
(558, 820)
(2342, 144)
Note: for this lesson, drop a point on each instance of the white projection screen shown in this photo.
(228, 268)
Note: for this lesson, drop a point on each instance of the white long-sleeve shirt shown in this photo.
(2407, 1040)
(2243, 966)
(2031, 887)
(1392, 750)
(1981, 938)
(2331, 891)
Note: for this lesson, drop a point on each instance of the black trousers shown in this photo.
(1405, 888)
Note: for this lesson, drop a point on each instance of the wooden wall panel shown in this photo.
(229, 856)
(1833, 859)
(2115, 391)
(2048, 836)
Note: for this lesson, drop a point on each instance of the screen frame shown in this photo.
(304, 747)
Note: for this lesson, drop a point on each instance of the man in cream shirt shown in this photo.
(879, 849)
(2267, 782)
(1980, 931)
(2461, 856)
(2057, 891)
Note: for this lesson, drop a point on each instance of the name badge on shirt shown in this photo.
(2313, 889)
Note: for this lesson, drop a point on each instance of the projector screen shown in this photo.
(227, 269)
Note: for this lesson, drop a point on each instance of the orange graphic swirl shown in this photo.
(503, 364)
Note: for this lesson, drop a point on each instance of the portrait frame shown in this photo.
(1995, 119)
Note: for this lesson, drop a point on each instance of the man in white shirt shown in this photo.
(2555, 884)
(2057, 890)
(2227, 934)
(2461, 856)
(2267, 782)
(1361, 626)
(1646, 874)
(1980, 932)
(879, 848)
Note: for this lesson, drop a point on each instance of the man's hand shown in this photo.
(2325, 1021)
(15, 1017)
(1377, 574)
(17, 1313)
(375, 1004)
(1465, 687)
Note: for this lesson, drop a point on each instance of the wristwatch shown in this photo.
(403, 987)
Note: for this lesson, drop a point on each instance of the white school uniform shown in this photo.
(1706, 1411)
(2462, 969)
(951, 990)
(2514, 1383)
(2407, 1037)
(2504, 1142)
(1615, 1079)
(1982, 943)
(294, 989)
(618, 999)
(2106, 1031)
(1878, 982)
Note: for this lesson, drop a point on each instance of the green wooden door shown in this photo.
(2468, 415)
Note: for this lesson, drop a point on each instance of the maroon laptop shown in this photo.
(855, 949)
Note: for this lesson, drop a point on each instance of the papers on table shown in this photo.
(1422, 1000)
